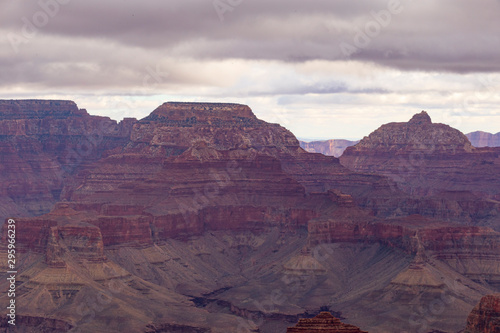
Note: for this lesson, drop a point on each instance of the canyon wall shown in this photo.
(484, 139)
(485, 317)
(42, 144)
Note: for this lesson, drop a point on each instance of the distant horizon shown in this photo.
(322, 69)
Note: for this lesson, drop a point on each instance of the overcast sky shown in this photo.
(323, 69)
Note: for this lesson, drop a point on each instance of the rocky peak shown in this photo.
(174, 127)
(38, 109)
(417, 134)
(420, 119)
(426, 158)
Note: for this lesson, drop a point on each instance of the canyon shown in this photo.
(203, 218)
(334, 147)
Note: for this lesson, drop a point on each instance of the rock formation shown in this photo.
(485, 317)
(426, 158)
(334, 147)
(484, 139)
(436, 162)
(201, 217)
(324, 323)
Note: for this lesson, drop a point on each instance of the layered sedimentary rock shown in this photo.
(197, 191)
(42, 143)
(436, 165)
(484, 139)
(205, 218)
(325, 323)
(426, 158)
(485, 317)
(470, 251)
(333, 147)
(174, 127)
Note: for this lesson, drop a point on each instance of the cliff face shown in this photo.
(470, 251)
(201, 217)
(324, 323)
(484, 139)
(334, 147)
(42, 143)
(174, 127)
(485, 317)
(434, 161)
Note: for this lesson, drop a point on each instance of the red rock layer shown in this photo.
(426, 158)
(484, 139)
(324, 323)
(485, 317)
(46, 143)
(189, 167)
(202, 189)
(471, 251)
(42, 143)
(174, 127)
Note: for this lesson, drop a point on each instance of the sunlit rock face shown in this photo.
(422, 157)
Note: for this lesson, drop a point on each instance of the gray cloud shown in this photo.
(270, 53)
(448, 35)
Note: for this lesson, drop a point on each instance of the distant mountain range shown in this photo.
(484, 139)
(336, 147)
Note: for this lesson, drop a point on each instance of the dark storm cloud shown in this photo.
(111, 43)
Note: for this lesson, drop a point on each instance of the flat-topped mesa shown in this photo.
(38, 109)
(174, 127)
(418, 134)
(323, 323)
(43, 142)
(188, 114)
